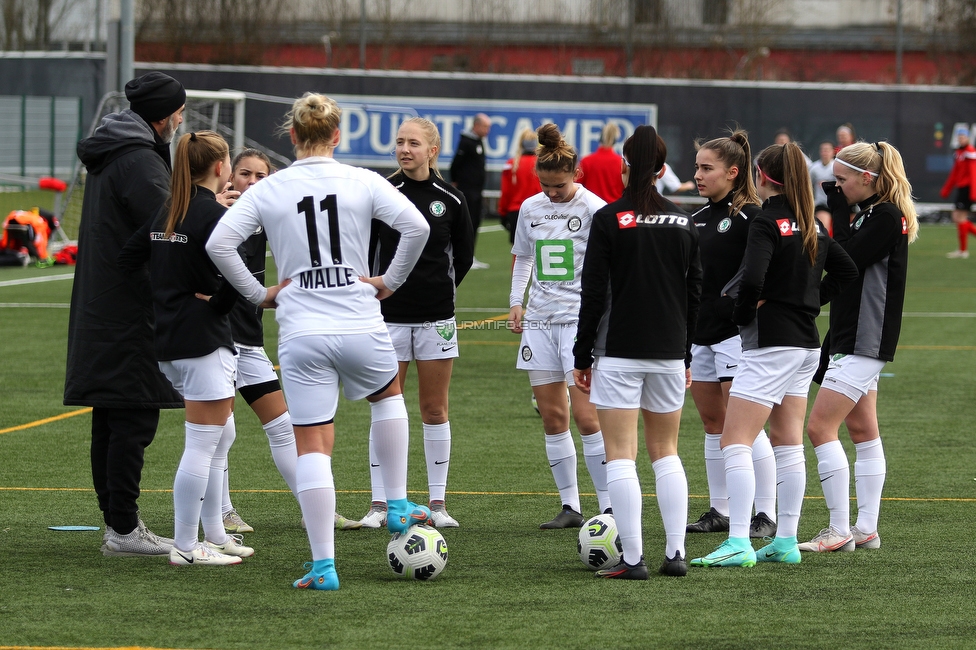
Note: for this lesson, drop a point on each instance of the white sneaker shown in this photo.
(441, 519)
(140, 542)
(202, 554)
(234, 524)
(477, 265)
(375, 518)
(233, 546)
(829, 540)
(865, 540)
(958, 255)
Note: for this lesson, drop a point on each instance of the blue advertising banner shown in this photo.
(369, 125)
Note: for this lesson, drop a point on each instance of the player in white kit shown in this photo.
(317, 216)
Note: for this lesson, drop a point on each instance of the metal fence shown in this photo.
(38, 135)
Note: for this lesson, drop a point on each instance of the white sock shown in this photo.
(764, 464)
(870, 469)
(625, 498)
(595, 457)
(791, 476)
(437, 451)
(375, 473)
(718, 496)
(391, 436)
(190, 484)
(740, 478)
(210, 514)
(671, 486)
(281, 439)
(561, 453)
(225, 502)
(316, 496)
(835, 481)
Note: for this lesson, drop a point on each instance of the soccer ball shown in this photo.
(599, 545)
(419, 554)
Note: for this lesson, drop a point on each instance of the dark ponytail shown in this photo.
(645, 153)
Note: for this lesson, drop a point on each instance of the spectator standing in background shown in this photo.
(822, 171)
(845, 136)
(468, 171)
(602, 168)
(962, 180)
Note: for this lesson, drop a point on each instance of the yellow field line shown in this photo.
(37, 423)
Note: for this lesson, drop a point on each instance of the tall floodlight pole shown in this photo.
(362, 34)
(899, 44)
(127, 41)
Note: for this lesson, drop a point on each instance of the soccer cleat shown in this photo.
(762, 526)
(321, 576)
(958, 255)
(375, 518)
(865, 540)
(234, 524)
(567, 518)
(781, 549)
(399, 520)
(674, 566)
(139, 543)
(710, 522)
(202, 555)
(341, 523)
(233, 546)
(732, 552)
(438, 513)
(624, 571)
(829, 540)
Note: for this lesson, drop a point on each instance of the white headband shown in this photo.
(857, 169)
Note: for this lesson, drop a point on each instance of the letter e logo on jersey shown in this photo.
(626, 219)
(785, 227)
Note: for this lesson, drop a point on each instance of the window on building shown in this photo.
(648, 11)
(715, 12)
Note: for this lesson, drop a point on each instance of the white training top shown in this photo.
(317, 216)
(550, 240)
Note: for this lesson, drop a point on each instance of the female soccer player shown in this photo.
(601, 169)
(550, 241)
(962, 181)
(519, 182)
(723, 177)
(640, 297)
(420, 315)
(822, 171)
(317, 216)
(865, 321)
(779, 298)
(194, 345)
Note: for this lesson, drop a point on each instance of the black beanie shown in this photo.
(155, 96)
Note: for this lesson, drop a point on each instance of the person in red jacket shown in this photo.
(602, 168)
(962, 179)
(519, 182)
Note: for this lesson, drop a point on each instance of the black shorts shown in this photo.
(963, 202)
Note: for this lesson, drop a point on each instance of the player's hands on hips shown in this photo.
(378, 284)
(582, 379)
(228, 196)
(515, 319)
(271, 299)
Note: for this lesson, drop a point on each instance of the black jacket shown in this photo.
(468, 165)
(110, 328)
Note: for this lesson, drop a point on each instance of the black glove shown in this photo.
(836, 200)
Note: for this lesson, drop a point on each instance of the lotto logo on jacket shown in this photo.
(626, 219)
(786, 227)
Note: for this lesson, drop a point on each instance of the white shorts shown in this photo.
(546, 377)
(312, 367)
(767, 375)
(424, 341)
(655, 385)
(717, 362)
(203, 379)
(852, 375)
(548, 348)
(253, 367)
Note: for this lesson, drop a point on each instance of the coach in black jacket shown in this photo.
(111, 366)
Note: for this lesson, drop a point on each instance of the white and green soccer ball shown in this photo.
(599, 545)
(418, 554)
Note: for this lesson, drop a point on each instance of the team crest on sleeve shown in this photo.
(724, 225)
(857, 224)
(437, 209)
(626, 219)
(574, 224)
(785, 227)
(526, 353)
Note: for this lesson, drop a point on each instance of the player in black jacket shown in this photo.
(193, 342)
(865, 321)
(641, 287)
(420, 314)
(724, 177)
(779, 298)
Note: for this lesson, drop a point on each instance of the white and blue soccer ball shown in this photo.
(599, 545)
(418, 554)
